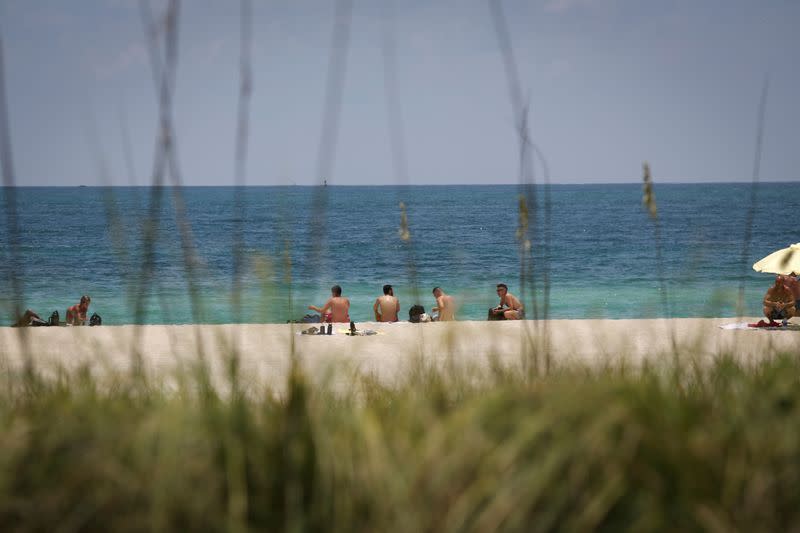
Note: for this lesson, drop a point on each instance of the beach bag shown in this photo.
(53, 319)
(95, 320)
(415, 313)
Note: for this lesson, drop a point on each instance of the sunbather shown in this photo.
(779, 301)
(337, 307)
(510, 306)
(76, 315)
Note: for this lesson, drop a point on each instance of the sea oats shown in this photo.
(649, 197)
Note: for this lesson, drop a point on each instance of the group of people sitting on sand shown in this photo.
(76, 316)
(782, 300)
(387, 307)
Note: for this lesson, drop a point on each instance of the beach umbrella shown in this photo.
(784, 261)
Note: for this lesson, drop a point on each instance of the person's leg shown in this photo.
(511, 315)
(768, 312)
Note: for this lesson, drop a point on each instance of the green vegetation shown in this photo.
(686, 448)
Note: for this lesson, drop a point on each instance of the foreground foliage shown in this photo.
(691, 448)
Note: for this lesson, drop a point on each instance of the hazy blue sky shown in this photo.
(611, 83)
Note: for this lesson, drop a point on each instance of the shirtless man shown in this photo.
(337, 307)
(76, 315)
(510, 306)
(779, 301)
(445, 305)
(386, 307)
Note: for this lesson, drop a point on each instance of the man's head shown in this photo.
(437, 291)
(502, 289)
(336, 290)
(387, 289)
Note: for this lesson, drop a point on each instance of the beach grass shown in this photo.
(676, 447)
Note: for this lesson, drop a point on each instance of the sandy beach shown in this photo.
(266, 349)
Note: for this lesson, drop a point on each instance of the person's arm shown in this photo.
(767, 301)
(321, 310)
(439, 304)
(375, 309)
(397, 308)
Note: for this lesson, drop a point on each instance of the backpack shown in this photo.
(95, 320)
(415, 312)
(53, 319)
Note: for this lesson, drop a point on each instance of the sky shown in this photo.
(609, 84)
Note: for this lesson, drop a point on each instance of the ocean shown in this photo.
(601, 262)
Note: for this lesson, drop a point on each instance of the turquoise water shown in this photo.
(602, 261)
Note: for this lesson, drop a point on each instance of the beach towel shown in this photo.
(762, 325)
(360, 333)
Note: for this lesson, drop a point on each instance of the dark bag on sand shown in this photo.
(415, 312)
(307, 319)
(495, 316)
(53, 319)
(95, 320)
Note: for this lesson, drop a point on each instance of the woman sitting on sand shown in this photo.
(76, 315)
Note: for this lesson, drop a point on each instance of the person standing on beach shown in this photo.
(510, 306)
(337, 308)
(779, 301)
(445, 305)
(386, 307)
(76, 315)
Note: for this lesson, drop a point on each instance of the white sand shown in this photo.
(266, 349)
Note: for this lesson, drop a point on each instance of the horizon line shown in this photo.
(737, 182)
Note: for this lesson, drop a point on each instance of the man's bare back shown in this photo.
(340, 309)
(445, 305)
(386, 308)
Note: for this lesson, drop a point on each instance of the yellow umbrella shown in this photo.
(784, 261)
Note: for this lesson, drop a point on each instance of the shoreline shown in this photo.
(266, 350)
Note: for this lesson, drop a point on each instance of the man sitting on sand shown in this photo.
(76, 315)
(779, 301)
(510, 306)
(338, 306)
(445, 305)
(793, 283)
(386, 307)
